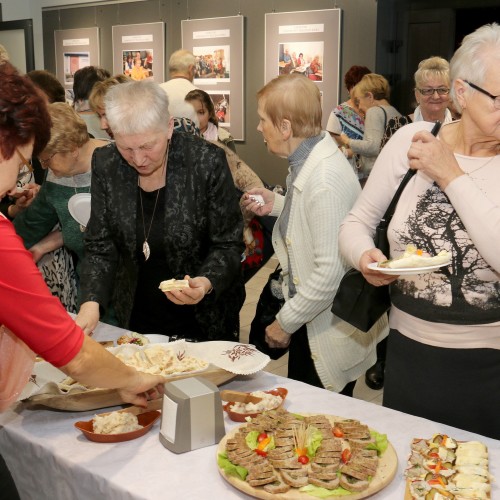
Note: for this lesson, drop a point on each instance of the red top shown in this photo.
(27, 307)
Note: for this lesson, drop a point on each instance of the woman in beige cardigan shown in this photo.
(321, 188)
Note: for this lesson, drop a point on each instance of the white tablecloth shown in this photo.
(52, 460)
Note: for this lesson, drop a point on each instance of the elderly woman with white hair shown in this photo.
(443, 352)
(321, 188)
(163, 207)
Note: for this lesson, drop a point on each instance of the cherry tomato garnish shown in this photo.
(337, 432)
(303, 459)
(346, 455)
(261, 453)
(261, 437)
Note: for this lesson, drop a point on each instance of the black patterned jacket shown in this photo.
(204, 236)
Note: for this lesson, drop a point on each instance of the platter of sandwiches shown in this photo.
(282, 455)
(441, 468)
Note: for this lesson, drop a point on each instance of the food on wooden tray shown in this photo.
(278, 451)
(269, 401)
(173, 284)
(442, 468)
(132, 338)
(161, 360)
(413, 257)
(115, 423)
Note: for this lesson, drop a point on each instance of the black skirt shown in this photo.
(457, 387)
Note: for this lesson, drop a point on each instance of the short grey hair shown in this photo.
(474, 56)
(180, 61)
(183, 109)
(137, 107)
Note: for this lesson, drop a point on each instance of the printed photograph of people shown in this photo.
(221, 105)
(212, 62)
(305, 58)
(73, 61)
(138, 64)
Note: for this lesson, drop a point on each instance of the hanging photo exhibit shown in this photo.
(212, 62)
(222, 106)
(75, 49)
(307, 43)
(217, 44)
(138, 64)
(73, 61)
(139, 51)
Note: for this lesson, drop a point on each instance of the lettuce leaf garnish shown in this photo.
(317, 491)
(313, 442)
(229, 468)
(380, 443)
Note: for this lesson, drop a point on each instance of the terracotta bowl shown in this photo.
(241, 417)
(146, 419)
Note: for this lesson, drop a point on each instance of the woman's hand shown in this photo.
(343, 139)
(146, 387)
(198, 288)
(433, 158)
(88, 317)
(276, 336)
(375, 278)
(254, 206)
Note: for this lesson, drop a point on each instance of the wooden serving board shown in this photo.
(104, 398)
(387, 468)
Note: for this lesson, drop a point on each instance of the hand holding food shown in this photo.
(180, 294)
(374, 277)
(260, 201)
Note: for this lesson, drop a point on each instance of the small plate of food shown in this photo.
(133, 338)
(413, 261)
(117, 426)
(270, 400)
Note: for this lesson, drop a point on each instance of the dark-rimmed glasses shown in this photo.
(45, 163)
(439, 90)
(496, 98)
(26, 164)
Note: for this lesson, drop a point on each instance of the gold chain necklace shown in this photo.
(145, 246)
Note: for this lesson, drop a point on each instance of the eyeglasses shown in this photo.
(439, 90)
(45, 163)
(26, 168)
(496, 98)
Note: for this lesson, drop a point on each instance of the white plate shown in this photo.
(79, 208)
(406, 271)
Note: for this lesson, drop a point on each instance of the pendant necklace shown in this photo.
(145, 246)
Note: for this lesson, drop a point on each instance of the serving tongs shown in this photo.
(238, 397)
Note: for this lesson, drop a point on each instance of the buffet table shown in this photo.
(50, 459)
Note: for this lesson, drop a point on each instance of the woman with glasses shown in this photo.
(371, 96)
(67, 157)
(443, 354)
(31, 319)
(432, 89)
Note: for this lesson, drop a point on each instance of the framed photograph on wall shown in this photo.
(217, 44)
(75, 49)
(139, 51)
(307, 43)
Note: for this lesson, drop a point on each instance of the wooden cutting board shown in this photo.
(103, 398)
(387, 468)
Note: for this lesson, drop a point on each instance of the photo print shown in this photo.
(138, 64)
(73, 61)
(212, 63)
(305, 58)
(221, 105)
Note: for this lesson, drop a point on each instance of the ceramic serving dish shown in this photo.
(146, 419)
(241, 417)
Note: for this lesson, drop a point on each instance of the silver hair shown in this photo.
(183, 109)
(137, 107)
(474, 56)
(180, 61)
